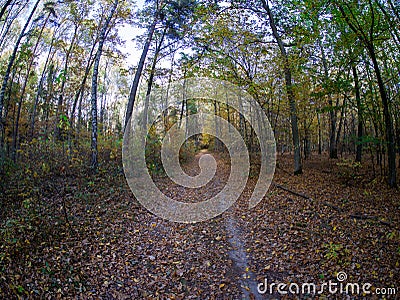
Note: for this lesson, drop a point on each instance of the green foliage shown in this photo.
(332, 250)
(153, 152)
(349, 169)
(62, 77)
(336, 253)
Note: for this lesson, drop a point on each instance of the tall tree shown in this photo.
(367, 33)
(136, 80)
(171, 17)
(4, 8)
(49, 8)
(102, 37)
(11, 62)
(289, 89)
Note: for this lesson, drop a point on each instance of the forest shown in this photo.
(199, 149)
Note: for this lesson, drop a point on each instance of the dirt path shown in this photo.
(241, 272)
(245, 277)
(113, 248)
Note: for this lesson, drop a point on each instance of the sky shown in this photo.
(128, 33)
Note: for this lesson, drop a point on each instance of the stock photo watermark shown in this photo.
(339, 286)
(148, 113)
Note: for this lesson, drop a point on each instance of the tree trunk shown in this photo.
(319, 135)
(4, 8)
(359, 114)
(332, 113)
(80, 91)
(59, 108)
(9, 20)
(23, 88)
(289, 90)
(11, 62)
(94, 161)
(40, 87)
(339, 131)
(387, 117)
(151, 78)
(136, 80)
(103, 100)
(368, 41)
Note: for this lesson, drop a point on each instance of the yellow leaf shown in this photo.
(221, 285)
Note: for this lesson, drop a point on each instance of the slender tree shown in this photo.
(102, 38)
(4, 8)
(289, 89)
(11, 62)
(136, 80)
(367, 35)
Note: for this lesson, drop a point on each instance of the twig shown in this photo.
(292, 192)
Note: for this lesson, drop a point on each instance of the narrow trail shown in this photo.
(241, 270)
(247, 279)
(119, 250)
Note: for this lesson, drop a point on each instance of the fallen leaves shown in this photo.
(116, 249)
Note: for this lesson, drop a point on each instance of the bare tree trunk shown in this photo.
(4, 8)
(359, 114)
(332, 113)
(298, 169)
(136, 80)
(94, 161)
(59, 108)
(11, 63)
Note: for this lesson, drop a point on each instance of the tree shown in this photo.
(367, 34)
(4, 8)
(102, 37)
(49, 8)
(173, 17)
(11, 63)
(289, 89)
(136, 80)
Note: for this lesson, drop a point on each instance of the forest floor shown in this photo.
(85, 237)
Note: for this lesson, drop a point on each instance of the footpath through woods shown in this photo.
(94, 241)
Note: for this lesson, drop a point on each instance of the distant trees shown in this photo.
(325, 72)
